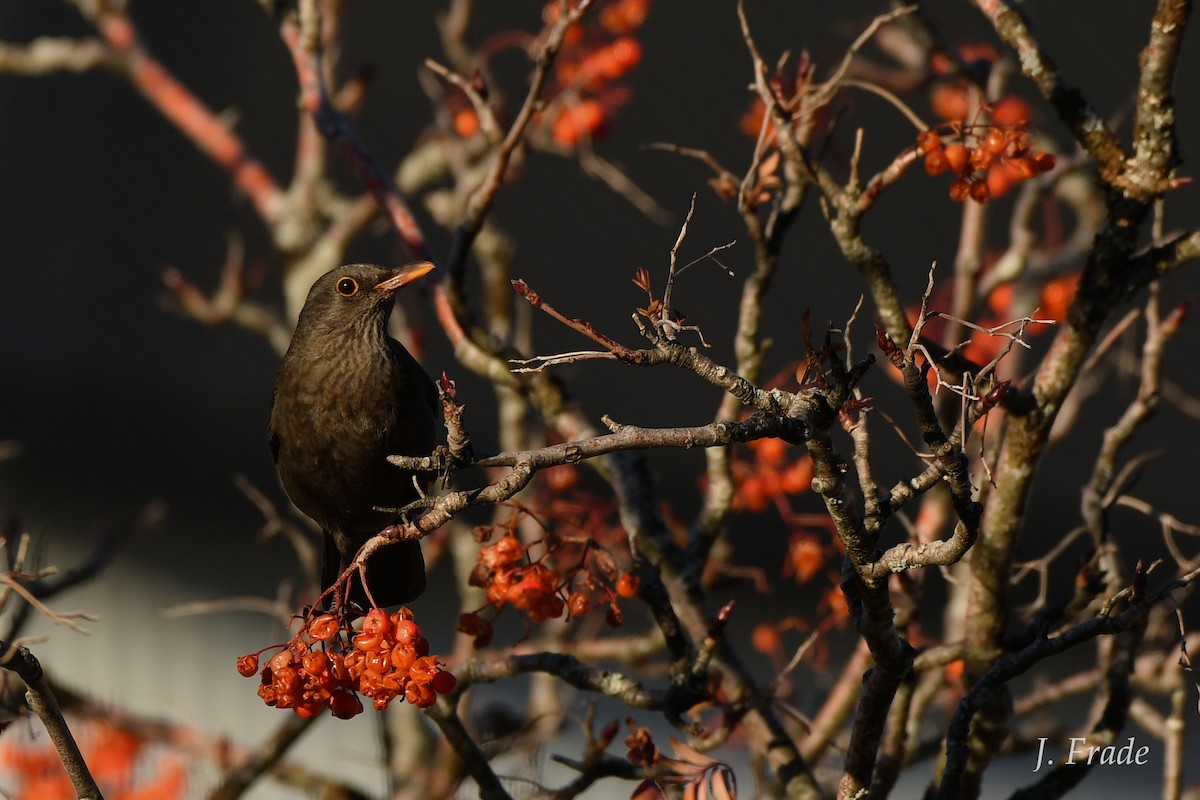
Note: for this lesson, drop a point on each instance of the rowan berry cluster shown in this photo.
(975, 155)
(329, 664)
(769, 475)
(538, 591)
(592, 60)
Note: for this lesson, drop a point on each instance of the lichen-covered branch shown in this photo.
(44, 704)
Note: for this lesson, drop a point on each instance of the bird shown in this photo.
(347, 396)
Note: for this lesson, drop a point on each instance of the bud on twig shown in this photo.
(884, 342)
(989, 400)
(479, 84)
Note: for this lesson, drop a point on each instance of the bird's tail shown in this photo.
(395, 574)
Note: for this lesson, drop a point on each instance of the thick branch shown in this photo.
(1015, 664)
(43, 702)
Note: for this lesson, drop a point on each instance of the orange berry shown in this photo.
(367, 641)
(999, 301)
(982, 158)
(286, 681)
(1024, 166)
(626, 52)
(950, 101)
(627, 585)
(281, 660)
(563, 478)
(567, 70)
(420, 695)
(805, 558)
(936, 162)
(314, 663)
(1043, 161)
(983, 348)
(614, 616)
(403, 658)
(466, 123)
(1012, 110)
(423, 669)
(353, 661)
(586, 118)
(379, 662)
(578, 604)
(573, 34)
(1018, 143)
(979, 191)
(377, 622)
(623, 17)
(928, 141)
(503, 553)
(752, 494)
(771, 450)
(940, 64)
(323, 628)
(1057, 296)
(960, 190)
(306, 709)
(497, 594)
(834, 602)
(958, 157)
(971, 52)
(247, 666)
(771, 481)
(407, 632)
(765, 638)
(1001, 178)
(995, 141)
(797, 478)
(751, 122)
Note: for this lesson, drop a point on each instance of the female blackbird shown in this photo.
(347, 396)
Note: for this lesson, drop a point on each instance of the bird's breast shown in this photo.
(336, 421)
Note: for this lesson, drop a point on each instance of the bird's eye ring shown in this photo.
(347, 287)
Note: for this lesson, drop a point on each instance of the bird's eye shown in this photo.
(347, 287)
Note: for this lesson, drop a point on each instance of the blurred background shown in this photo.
(112, 402)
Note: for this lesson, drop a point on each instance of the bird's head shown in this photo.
(355, 295)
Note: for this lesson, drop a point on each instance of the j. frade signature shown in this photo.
(1079, 752)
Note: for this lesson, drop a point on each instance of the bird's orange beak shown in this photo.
(407, 274)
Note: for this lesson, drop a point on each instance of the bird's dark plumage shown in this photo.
(347, 395)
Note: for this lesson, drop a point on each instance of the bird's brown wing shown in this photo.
(273, 443)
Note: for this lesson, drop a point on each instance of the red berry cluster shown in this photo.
(977, 156)
(590, 63)
(532, 588)
(769, 476)
(535, 589)
(328, 664)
